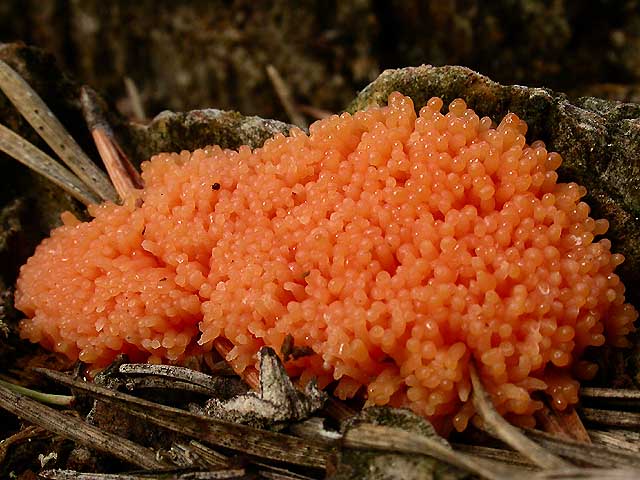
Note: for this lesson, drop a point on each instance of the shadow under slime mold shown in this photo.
(424, 82)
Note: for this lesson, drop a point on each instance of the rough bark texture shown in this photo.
(213, 54)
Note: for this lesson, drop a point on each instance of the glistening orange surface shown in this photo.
(396, 247)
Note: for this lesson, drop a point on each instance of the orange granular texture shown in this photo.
(396, 246)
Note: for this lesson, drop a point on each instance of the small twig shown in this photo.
(217, 367)
(250, 374)
(209, 458)
(49, 398)
(566, 424)
(123, 174)
(24, 435)
(284, 95)
(134, 100)
(34, 158)
(75, 429)
(338, 410)
(595, 455)
(612, 418)
(171, 371)
(277, 473)
(389, 439)
(506, 432)
(509, 457)
(228, 474)
(153, 382)
(314, 428)
(42, 119)
(315, 112)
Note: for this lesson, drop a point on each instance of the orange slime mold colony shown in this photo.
(396, 246)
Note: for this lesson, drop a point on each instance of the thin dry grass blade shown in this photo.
(124, 176)
(77, 430)
(317, 113)
(50, 398)
(42, 119)
(284, 95)
(251, 441)
(17, 147)
(135, 100)
(110, 155)
(506, 432)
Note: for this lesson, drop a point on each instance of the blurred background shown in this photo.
(199, 54)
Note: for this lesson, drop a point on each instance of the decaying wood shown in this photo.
(75, 429)
(308, 451)
(42, 119)
(389, 439)
(251, 441)
(277, 403)
(499, 427)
